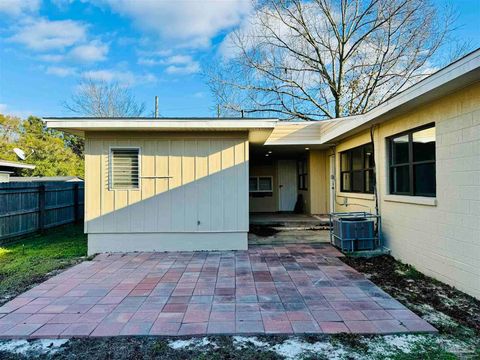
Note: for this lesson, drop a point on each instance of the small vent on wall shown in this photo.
(124, 169)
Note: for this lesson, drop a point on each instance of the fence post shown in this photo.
(41, 208)
(76, 204)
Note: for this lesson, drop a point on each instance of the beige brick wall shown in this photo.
(441, 239)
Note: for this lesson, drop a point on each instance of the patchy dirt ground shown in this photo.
(347, 347)
(455, 314)
(420, 293)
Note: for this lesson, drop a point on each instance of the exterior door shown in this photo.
(287, 184)
(332, 184)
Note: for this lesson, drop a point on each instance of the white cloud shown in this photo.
(184, 23)
(19, 7)
(179, 59)
(62, 4)
(52, 58)
(3, 108)
(61, 71)
(181, 65)
(92, 52)
(183, 70)
(42, 34)
(148, 61)
(176, 64)
(45, 35)
(122, 77)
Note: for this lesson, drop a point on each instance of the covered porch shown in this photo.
(289, 198)
(290, 183)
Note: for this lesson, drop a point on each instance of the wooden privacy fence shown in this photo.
(31, 207)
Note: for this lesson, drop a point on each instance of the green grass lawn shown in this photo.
(29, 260)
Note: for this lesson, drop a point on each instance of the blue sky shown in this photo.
(157, 47)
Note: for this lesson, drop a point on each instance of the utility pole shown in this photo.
(156, 106)
(242, 113)
(218, 110)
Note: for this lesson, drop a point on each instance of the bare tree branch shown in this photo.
(103, 99)
(322, 59)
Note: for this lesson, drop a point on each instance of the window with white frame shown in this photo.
(260, 184)
(124, 170)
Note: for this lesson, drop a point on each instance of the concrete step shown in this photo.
(290, 221)
(291, 237)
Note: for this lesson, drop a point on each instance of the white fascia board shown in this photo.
(18, 165)
(154, 124)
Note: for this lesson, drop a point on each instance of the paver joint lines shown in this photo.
(266, 289)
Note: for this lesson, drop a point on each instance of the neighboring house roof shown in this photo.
(453, 77)
(45, 178)
(16, 165)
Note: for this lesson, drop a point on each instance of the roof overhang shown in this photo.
(17, 165)
(79, 126)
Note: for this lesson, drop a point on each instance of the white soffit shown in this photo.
(80, 125)
(299, 133)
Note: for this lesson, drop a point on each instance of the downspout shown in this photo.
(375, 190)
(378, 223)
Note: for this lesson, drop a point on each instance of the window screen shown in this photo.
(124, 169)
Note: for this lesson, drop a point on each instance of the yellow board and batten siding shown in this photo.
(189, 183)
(318, 173)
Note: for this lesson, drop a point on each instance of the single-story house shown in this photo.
(189, 184)
(9, 168)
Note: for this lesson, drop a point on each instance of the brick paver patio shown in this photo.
(269, 289)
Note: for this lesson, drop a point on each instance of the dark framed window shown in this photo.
(412, 162)
(260, 184)
(356, 170)
(302, 174)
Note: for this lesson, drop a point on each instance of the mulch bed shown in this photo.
(410, 286)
